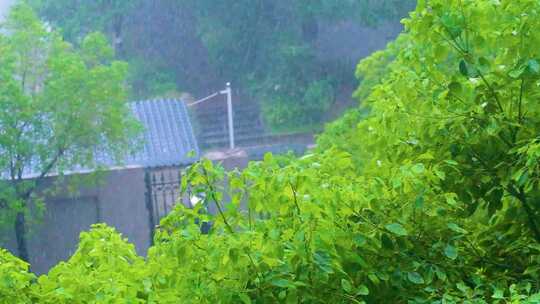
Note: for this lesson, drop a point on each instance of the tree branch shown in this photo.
(531, 216)
(213, 195)
(520, 117)
(43, 173)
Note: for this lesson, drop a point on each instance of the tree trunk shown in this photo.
(118, 41)
(20, 234)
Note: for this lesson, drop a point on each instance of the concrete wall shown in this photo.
(119, 201)
(4, 7)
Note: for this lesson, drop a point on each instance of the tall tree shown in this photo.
(59, 107)
(80, 18)
(268, 49)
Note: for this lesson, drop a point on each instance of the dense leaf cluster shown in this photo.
(430, 196)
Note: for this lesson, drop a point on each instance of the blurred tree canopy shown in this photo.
(268, 49)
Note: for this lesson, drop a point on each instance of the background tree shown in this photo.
(269, 50)
(80, 18)
(59, 107)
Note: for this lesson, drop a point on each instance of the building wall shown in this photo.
(123, 206)
(118, 200)
(4, 7)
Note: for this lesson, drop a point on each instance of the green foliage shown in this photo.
(340, 133)
(433, 199)
(371, 72)
(276, 61)
(308, 108)
(56, 102)
(307, 235)
(268, 49)
(104, 269)
(455, 98)
(15, 281)
(149, 79)
(78, 19)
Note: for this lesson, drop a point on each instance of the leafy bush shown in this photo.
(371, 72)
(104, 269)
(309, 107)
(15, 281)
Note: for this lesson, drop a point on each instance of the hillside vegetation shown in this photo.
(428, 193)
(292, 57)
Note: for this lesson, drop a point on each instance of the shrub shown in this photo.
(104, 269)
(15, 281)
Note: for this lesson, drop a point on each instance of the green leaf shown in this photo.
(483, 64)
(462, 287)
(281, 283)
(419, 203)
(415, 277)
(386, 242)
(523, 178)
(517, 72)
(451, 252)
(533, 66)
(373, 278)
(233, 254)
(397, 229)
(418, 168)
(463, 68)
(455, 88)
(363, 290)
(454, 227)
(534, 246)
(359, 240)
(451, 162)
(440, 274)
(440, 52)
(498, 294)
(245, 298)
(346, 285)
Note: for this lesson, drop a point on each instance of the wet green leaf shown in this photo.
(397, 229)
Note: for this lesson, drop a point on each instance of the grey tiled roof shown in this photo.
(168, 134)
(167, 139)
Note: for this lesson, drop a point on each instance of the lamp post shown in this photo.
(228, 92)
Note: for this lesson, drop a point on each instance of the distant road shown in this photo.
(4, 6)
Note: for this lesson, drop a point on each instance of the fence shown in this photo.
(162, 193)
